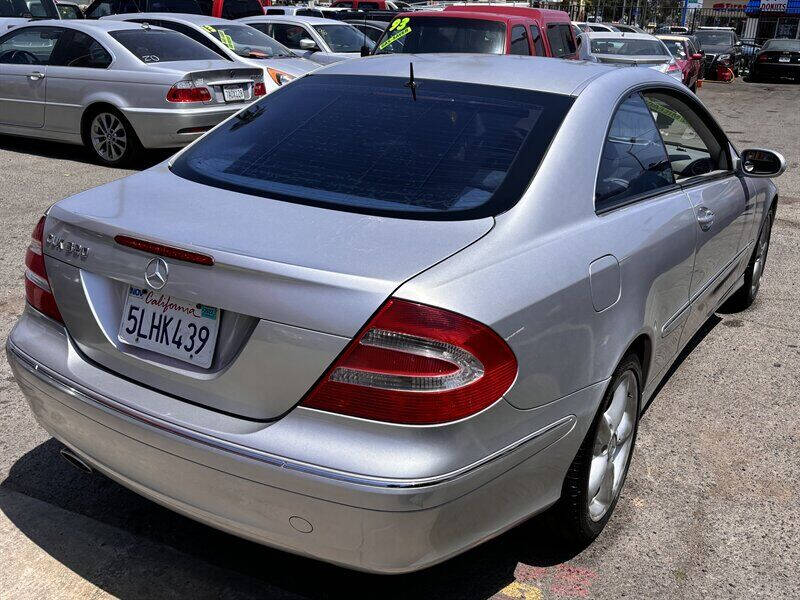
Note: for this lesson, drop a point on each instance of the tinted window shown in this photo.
(561, 40)
(288, 35)
(247, 41)
(342, 38)
(111, 7)
(368, 6)
(538, 43)
(187, 31)
(237, 9)
(31, 8)
(784, 45)
(442, 34)
(276, 11)
(714, 38)
(191, 7)
(29, 46)
(157, 45)
(69, 11)
(364, 144)
(308, 12)
(82, 51)
(692, 147)
(519, 41)
(628, 47)
(634, 161)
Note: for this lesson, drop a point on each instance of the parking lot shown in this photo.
(709, 509)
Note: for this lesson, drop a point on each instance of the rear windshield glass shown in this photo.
(623, 47)
(676, 48)
(248, 41)
(714, 38)
(36, 9)
(343, 38)
(785, 45)
(158, 45)
(364, 144)
(442, 34)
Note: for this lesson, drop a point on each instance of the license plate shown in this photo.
(784, 59)
(166, 325)
(232, 93)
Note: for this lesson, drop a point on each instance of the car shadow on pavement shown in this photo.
(72, 152)
(133, 548)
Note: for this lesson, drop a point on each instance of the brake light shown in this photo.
(37, 285)
(673, 68)
(162, 250)
(259, 89)
(762, 58)
(416, 364)
(186, 91)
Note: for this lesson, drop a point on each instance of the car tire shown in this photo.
(110, 137)
(588, 497)
(744, 297)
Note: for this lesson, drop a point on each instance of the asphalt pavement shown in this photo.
(709, 509)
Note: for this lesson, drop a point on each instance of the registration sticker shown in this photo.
(400, 26)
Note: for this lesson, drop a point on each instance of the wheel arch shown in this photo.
(641, 347)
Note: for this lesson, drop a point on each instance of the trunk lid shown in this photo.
(292, 283)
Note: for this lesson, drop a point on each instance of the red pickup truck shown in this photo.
(482, 30)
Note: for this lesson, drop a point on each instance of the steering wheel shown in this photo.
(699, 166)
(19, 57)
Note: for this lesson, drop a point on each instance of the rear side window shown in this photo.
(634, 161)
(238, 9)
(519, 41)
(363, 144)
(538, 43)
(82, 51)
(560, 37)
(157, 45)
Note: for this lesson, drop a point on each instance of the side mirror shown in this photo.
(307, 44)
(365, 51)
(757, 162)
(697, 56)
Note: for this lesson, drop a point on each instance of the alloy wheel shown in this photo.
(108, 136)
(612, 446)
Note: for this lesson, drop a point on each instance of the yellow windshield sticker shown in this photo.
(226, 39)
(209, 28)
(401, 29)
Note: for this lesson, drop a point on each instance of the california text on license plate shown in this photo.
(233, 92)
(177, 328)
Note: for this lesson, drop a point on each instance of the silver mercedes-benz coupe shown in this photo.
(385, 313)
(116, 87)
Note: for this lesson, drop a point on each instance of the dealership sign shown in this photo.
(776, 6)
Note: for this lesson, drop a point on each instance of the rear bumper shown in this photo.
(366, 523)
(775, 70)
(173, 127)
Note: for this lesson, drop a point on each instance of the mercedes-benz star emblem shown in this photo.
(156, 273)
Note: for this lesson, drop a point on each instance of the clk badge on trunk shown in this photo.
(156, 273)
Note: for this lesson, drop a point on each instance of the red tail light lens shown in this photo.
(259, 89)
(37, 286)
(186, 91)
(416, 364)
(672, 68)
(162, 250)
(762, 58)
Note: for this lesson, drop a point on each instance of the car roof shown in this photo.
(88, 25)
(542, 74)
(674, 38)
(180, 17)
(292, 19)
(618, 35)
(460, 14)
(516, 11)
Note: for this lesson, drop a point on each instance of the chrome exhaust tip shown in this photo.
(76, 462)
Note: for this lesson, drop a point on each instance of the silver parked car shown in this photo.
(14, 13)
(232, 41)
(380, 343)
(116, 87)
(632, 49)
(324, 41)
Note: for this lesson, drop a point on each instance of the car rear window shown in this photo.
(158, 45)
(364, 144)
(442, 34)
(782, 45)
(714, 38)
(629, 47)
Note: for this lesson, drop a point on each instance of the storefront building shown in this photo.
(769, 19)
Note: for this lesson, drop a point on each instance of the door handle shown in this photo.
(705, 218)
(35, 75)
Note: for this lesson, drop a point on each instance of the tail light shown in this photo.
(187, 91)
(416, 364)
(762, 58)
(259, 89)
(673, 68)
(279, 77)
(37, 286)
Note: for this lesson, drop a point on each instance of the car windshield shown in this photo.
(158, 45)
(714, 38)
(343, 38)
(27, 10)
(366, 144)
(247, 41)
(676, 48)
(628, 47)
(443, 34)
(782, 45)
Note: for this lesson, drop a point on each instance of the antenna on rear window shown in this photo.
(411, 84)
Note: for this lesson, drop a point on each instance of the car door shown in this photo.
(24, 55)
(78, 66)
(699, 154)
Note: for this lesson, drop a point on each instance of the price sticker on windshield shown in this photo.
(401, 29)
